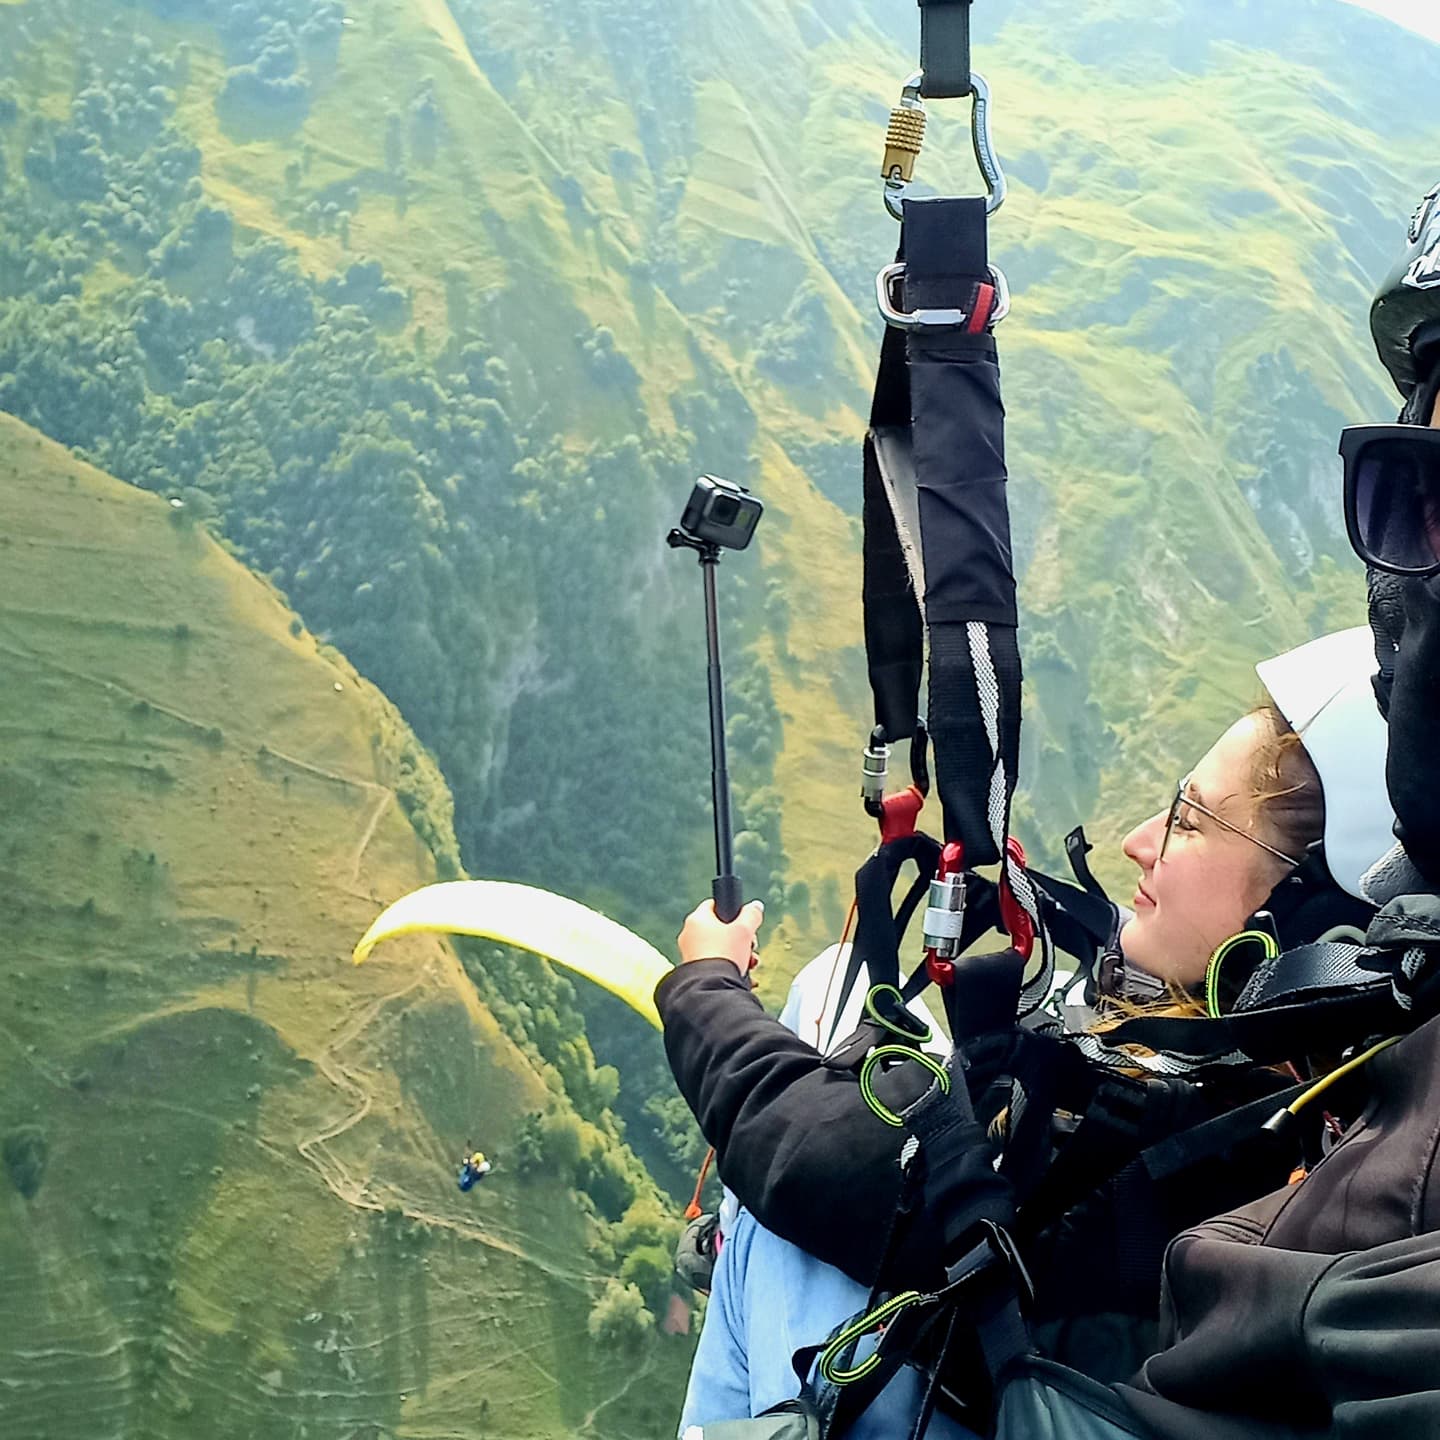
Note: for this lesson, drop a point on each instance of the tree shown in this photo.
(619, 1320)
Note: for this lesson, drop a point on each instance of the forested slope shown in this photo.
(440, 305)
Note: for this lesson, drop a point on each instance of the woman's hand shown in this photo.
(705, 936)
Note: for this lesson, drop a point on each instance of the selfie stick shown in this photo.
(725, 888)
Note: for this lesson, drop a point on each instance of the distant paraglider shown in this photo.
(557, 929)
(474, 1167)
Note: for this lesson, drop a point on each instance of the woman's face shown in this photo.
(1211, 880)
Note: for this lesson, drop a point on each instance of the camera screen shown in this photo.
(724, 509)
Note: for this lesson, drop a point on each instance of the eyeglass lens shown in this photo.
(1397, 505)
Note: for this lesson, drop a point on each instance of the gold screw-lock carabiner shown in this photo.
(904, 136)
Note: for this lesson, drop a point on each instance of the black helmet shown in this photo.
(1405, 314)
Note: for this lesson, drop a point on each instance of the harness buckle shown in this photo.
(990, 304)
(995, 1248)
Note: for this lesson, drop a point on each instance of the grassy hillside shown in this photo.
(228, 1205)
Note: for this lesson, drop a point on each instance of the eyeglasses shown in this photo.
(1392, 496)
(1181, 798)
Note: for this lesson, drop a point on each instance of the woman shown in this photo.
(791, 1136)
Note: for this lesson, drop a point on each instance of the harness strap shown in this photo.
(937, 528)
(877, 930)
(1310, 1023)
(1077, 852)
(945, 48)
(1173, 1156)
(1108, 1137)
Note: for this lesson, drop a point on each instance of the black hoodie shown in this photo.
(1316, 1311)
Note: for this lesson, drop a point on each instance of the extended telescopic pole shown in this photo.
(725, 888)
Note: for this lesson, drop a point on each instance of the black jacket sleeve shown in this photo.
(793, 1139)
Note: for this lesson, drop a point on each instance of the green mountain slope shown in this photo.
(660, 220)
(227, 1205)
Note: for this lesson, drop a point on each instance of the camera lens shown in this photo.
(724, 509)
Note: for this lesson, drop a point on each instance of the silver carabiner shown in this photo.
(934, 319)
(906, 132)
(985, 157)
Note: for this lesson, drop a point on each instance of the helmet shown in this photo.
(1324, 690)
(1405, 314)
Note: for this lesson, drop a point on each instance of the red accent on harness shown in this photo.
(693, 1210)
(952, 861)
(980, 315)
(941, 972)
(1017, 922)
(898, 814)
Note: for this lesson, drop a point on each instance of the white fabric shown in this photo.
(1323, 689)
(810, 1007)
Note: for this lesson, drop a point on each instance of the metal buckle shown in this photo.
(995, 1248)
(936, 319)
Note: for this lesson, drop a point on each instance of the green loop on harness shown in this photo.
(1269, 949)
(917, 1033)
(897, 1052)
(831, 1370)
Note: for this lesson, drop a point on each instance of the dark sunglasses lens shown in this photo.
(1397, 504)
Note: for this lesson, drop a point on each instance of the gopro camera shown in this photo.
(720, 512)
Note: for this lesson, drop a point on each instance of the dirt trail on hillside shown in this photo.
(356, 1193)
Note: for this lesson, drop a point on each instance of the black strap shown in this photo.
(1077, 852)
(1270, 1036)
(877, 931)
(1106, 1140)
(1178, 1153)
(935, 488)
(945, 48)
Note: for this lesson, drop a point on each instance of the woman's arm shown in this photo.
(794, 1140)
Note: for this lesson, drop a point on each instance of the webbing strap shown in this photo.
(878, 930)
(1201, 1142)
(945, 48)
(1266, 1037)
(937, 527)
(1107, 1139)
(1297, 1003)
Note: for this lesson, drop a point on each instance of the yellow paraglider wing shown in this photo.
(557, 929)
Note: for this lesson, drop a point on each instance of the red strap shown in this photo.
(980, 314)
(898, 814)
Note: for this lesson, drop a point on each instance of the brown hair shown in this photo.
(1285, 786)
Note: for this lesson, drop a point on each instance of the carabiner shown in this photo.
(906, 132)
(985, 157)
(1012, 914)
(903, 138)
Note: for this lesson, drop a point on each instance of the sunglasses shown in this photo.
(1392, 496)
(1181, 799)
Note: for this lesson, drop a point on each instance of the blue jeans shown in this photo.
(769, 1299)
